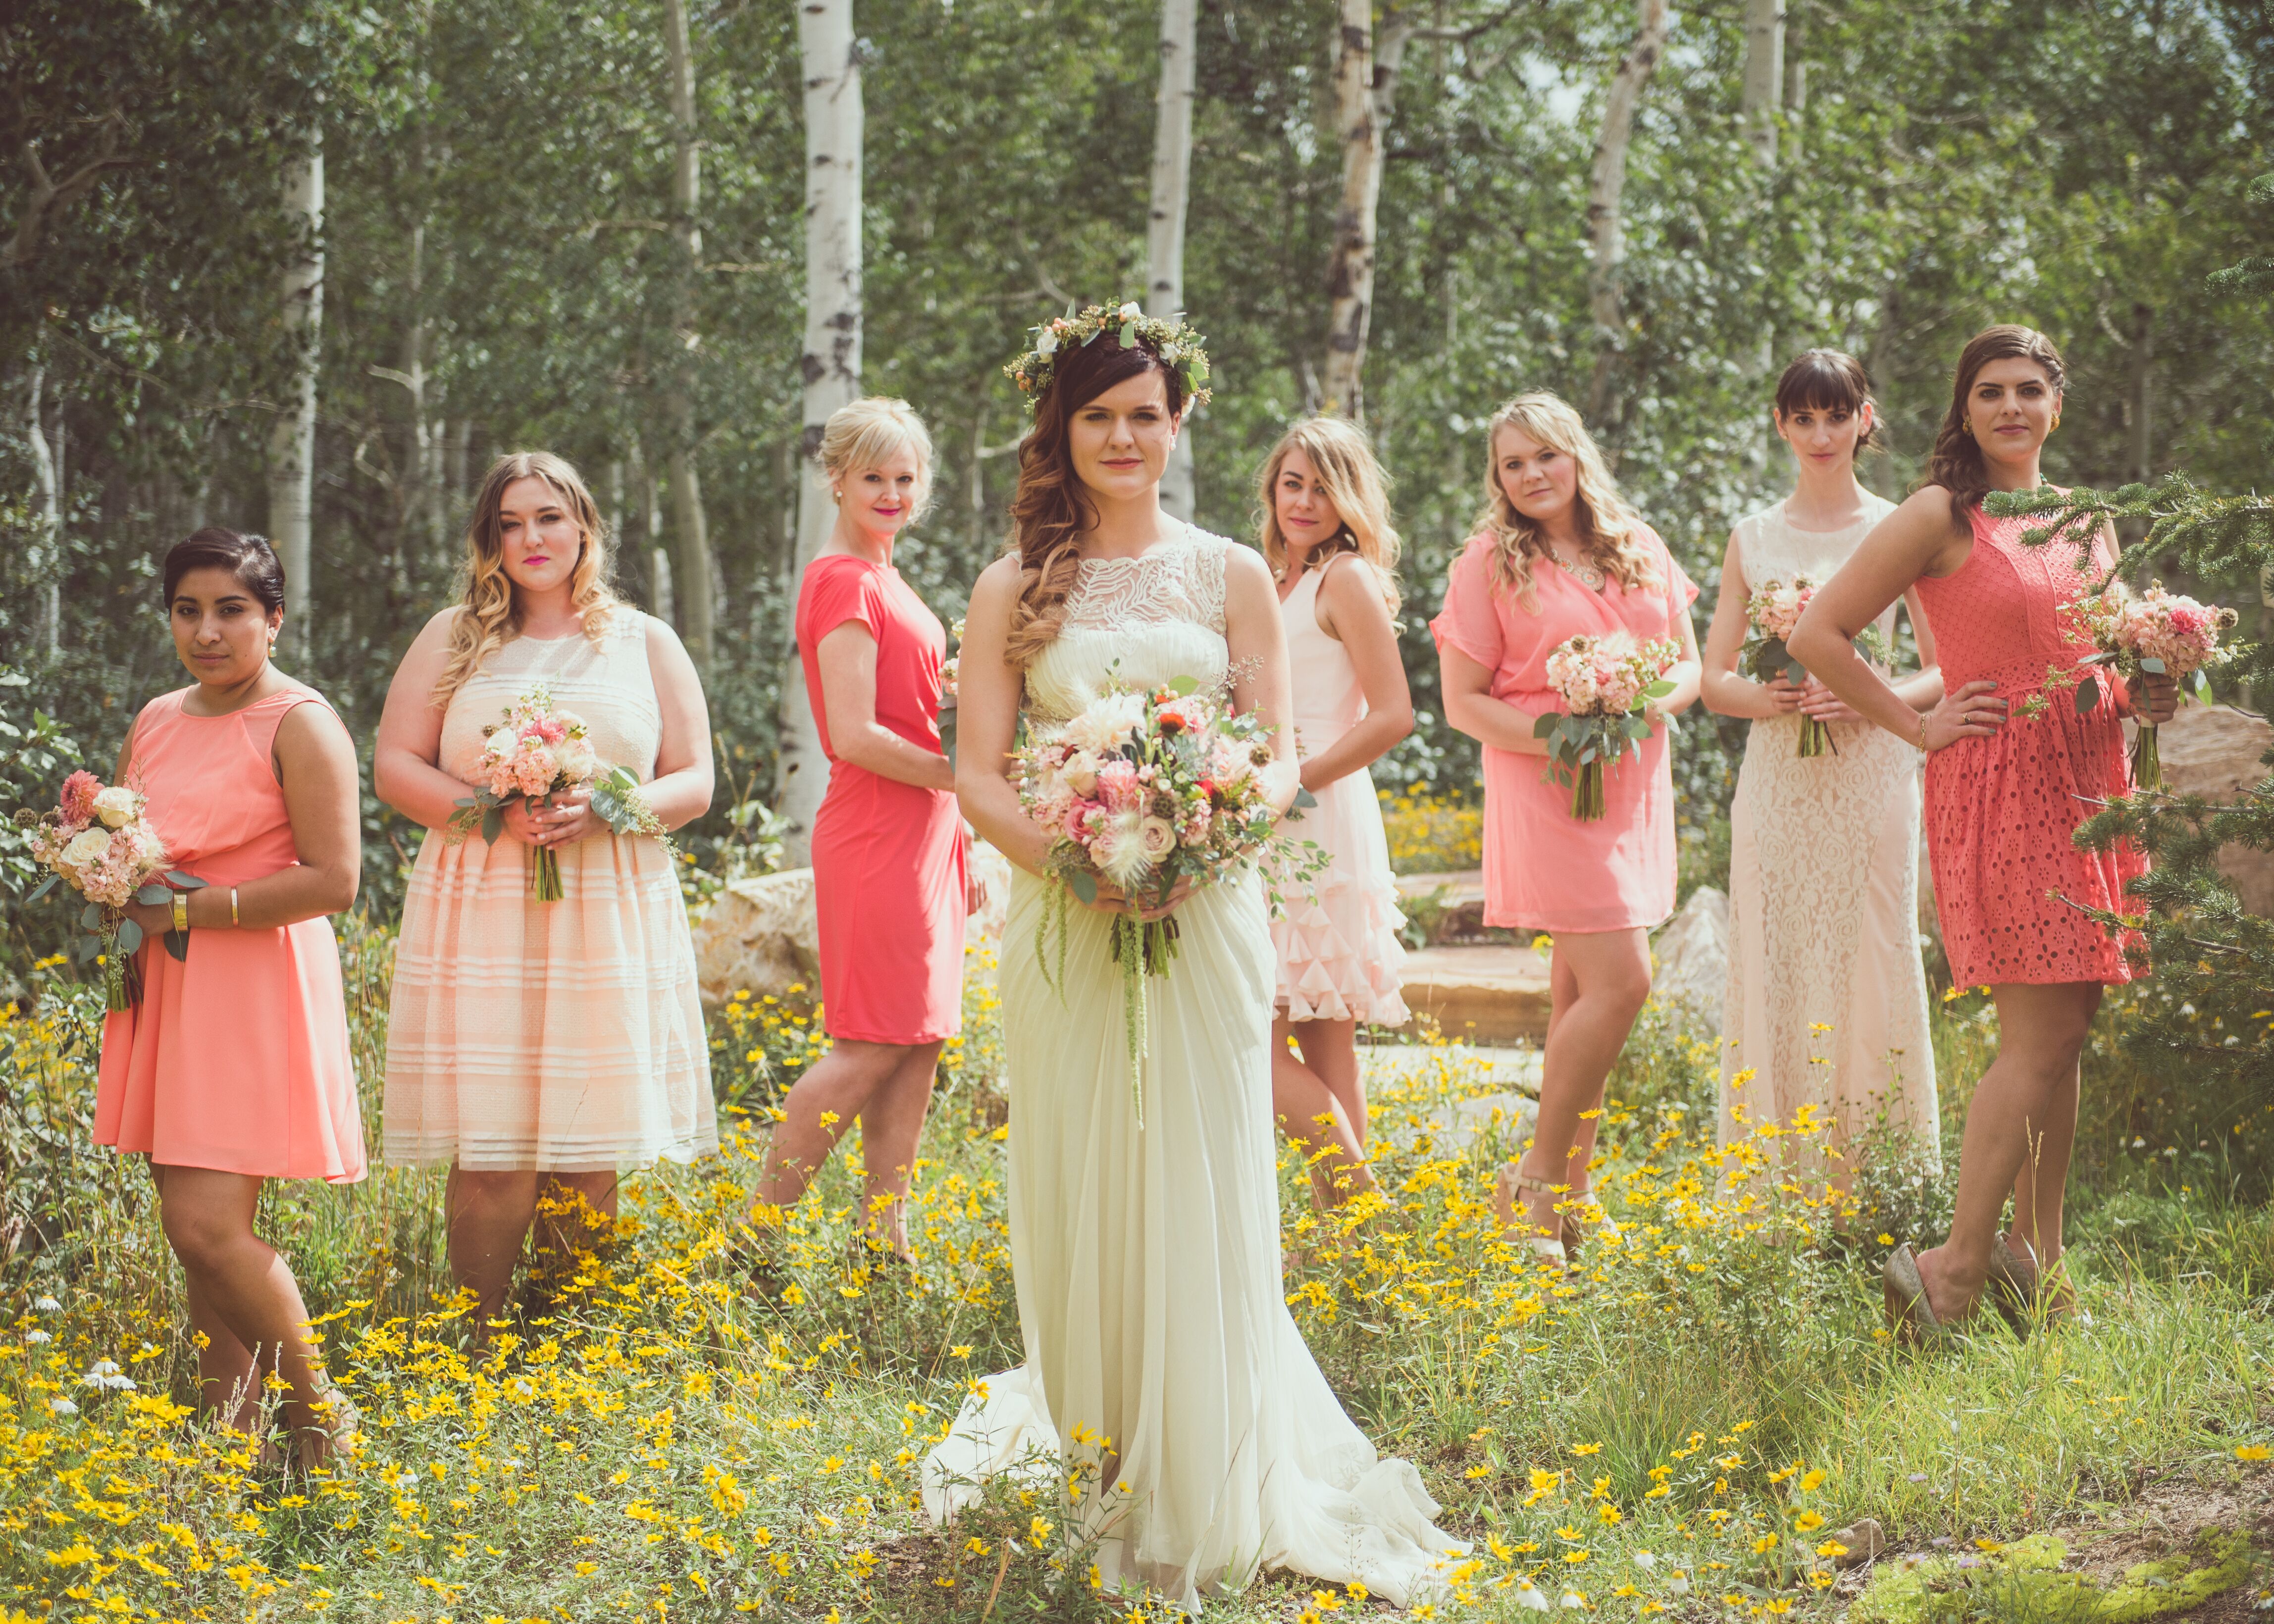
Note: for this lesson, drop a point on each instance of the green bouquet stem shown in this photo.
(1143, 949)
(1587, 802)
(2146, 762)
(1816, 737)
(544, 876)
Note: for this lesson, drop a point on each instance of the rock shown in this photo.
(1480, 995)
(1445, 906)
(1693, 952)
(1865, 1540)
(2214, 750)
(760, 936)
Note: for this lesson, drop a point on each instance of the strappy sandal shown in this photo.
(1909, 1315)
(2022, 1295)
(1575, 1232)
(1507, 1185)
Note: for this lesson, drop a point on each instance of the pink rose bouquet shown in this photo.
(1606, 684)
(537, 752)
(98, 841)
(1143, 789)
(2154, 632)
(1772, 611)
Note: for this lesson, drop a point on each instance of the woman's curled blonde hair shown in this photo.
(1342, 456)
(864, 433)
(492, 615)
(1610, 531)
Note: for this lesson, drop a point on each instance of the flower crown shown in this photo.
(1172, 340)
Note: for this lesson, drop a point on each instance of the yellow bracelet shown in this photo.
(182, 911)
(1923, 748)
(233, 907)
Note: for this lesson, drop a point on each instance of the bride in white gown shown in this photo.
(1148, 1257)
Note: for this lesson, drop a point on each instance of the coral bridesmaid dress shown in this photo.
(235, 1060)
(1544, 869)
(888, 857)
(2000, 811)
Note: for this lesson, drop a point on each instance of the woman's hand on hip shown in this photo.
(1972, 711)
(564, 816)
(2155, 697)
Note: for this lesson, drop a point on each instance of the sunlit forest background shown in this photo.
(504, 267)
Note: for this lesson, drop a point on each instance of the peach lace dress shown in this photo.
(237, 1059)
(561, 1036)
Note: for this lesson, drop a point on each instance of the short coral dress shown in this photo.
(888, 857)
(2001, 812)
(1544, 869)
(235, 1059)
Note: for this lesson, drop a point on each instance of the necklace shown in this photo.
(1587, 575)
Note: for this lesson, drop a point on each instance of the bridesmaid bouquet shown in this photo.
(538, 751)
(1142, 789)
(1606, 684)
(2155, 632)
(98, 842)
(1771, 612)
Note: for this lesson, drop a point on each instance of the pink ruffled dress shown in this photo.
(1338, 945)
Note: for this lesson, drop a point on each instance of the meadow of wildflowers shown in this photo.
(1678, 1429)
(1430, 831)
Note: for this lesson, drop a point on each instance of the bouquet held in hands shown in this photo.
(99, 842)
(539, 752)
(2156, 633)
(1606, 683)
(1771, 610)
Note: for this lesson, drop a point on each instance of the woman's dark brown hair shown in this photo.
(1051, 509)
(1957, 464)
(250, 558)
(1830, 380)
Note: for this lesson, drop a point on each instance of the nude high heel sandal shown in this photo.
(1909, 1315)
(1507, 1185)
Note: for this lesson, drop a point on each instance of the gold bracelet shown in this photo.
(182, 911)
(233, 907)
(1924, 747)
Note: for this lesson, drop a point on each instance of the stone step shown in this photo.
(1487, 995)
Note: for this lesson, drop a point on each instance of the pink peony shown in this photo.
(78, 800)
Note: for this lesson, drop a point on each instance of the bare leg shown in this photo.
(240, 1281)
(852, 1081)
(1314, 1114)
(891, 1127)
(1597, 982)
(229, 1377)
(2019, 1130)
(488, 1216)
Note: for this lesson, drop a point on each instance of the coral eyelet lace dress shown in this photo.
(2001, 812)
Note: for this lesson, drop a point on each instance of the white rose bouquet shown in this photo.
(98, 842)
(1141, 789)
(536, 751)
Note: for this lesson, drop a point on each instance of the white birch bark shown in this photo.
(831, 364)
(1366, 86)
(1764, 88)
(1164, 240)
(292, 442)
(1606, 186)
(46, 543)
(690, 526)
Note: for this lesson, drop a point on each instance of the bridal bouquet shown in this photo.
(1142, 789)
(538, 751)
(1606, 684)
(2155, 632)
(98, 842)
(1772, 611)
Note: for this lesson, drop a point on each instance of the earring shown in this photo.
(2056, 423)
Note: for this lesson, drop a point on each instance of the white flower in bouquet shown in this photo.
(1080, 773)
(117, 806)
(575, 758)
(1106, 724)
(1157, 838)
(87, 847)
(1118, 847)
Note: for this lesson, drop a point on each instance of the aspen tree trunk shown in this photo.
(1763, 77)
(1164, 242)
(292, 442)
(47, 549)
(831, 363)
(1365, 87)
(420, 530)
(1606, 183)
(690, 527)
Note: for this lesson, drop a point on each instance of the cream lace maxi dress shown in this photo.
(1147, 1260)
(1827, 1000)
(557, 1036)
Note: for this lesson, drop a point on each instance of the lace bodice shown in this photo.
(1143, 620)
(1770, 547)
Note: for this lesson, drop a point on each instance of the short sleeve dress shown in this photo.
(1544, 869)
(888, 857)
(2001, 812)
(237, 1059)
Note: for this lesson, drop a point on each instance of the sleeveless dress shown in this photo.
(237, 1059)
(888, 878)
(1827, 1001)
(1544, 869)
(1337, 948)
(1147, 1259)
(557, 1037)
(2000, 811)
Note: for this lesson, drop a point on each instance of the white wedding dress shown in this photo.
(1147, 1259)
